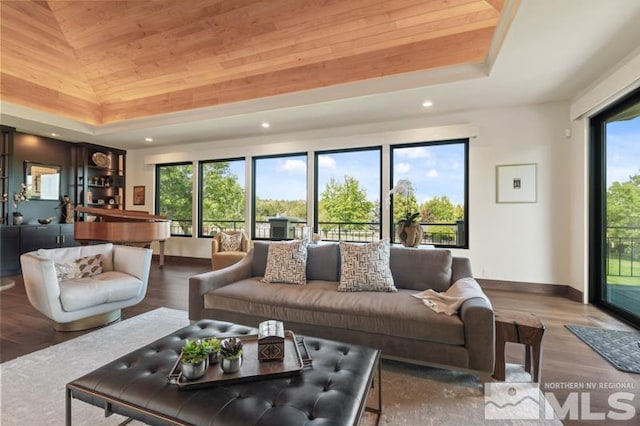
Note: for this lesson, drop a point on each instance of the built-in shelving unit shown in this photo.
(100, 177)
(6, 148)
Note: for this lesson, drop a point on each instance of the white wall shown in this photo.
(515, 242)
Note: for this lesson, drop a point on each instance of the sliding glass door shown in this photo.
(616, 210)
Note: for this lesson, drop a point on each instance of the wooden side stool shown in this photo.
(518, 327)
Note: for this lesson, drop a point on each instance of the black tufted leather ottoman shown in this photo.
(332, 392)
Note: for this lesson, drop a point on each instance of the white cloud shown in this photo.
(433, 173)
(403, 167)
(414, 152)
(326, 162)
(293, 166)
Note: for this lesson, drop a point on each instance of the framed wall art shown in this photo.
(138, 195)
(516, 183)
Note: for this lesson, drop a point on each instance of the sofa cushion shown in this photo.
(318, 302)
(286, 263)
(323, 262)
(230, 242)
(107, 287)
(60, 254)
(365, 267)
(421, 269)
(259, 262)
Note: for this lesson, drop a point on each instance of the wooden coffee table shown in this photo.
(334, 389)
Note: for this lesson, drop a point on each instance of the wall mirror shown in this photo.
(42, 180)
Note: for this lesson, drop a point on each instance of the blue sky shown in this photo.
(435, 170)
(623, 150)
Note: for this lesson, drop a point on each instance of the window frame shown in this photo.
(316, 200)
(201, 194)
(157, 194)
(253, 190)
(465, 143)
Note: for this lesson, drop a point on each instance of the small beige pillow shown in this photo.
(230, 242)
(79, 268)
(286, 263)
(365, 267)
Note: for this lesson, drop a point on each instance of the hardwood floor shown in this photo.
(565, 360)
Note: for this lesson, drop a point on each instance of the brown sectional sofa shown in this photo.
(397, 323)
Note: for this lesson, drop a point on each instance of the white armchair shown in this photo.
(79, 303)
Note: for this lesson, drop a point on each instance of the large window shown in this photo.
(436, 175)
(279, 196)
(615, 208)
(348, 186)
(222, 201)
(174, 196)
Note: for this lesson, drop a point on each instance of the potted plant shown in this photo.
(231, 354)
(194, 356)
(212, 346)
(408, 229)
(19, 198)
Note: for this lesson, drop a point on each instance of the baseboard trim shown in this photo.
(534, 288)
(183, 259)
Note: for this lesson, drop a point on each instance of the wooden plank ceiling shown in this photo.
(106, 61)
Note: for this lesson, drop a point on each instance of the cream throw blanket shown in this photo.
(449, 301)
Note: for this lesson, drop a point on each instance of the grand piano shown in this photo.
(122, 226)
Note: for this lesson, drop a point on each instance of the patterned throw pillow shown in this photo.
(365, 267)
(230, 242)
(79, 268)
(286, 263)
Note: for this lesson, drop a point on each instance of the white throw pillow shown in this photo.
(230, 242)
(286, 263)
(365, 267)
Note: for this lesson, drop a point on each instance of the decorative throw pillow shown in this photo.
(79, 268)
(286, 263)
(365, 267)
(230, 242)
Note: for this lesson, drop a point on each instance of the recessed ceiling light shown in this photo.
(265, 125)
(427, 104)
(148, 139)
(54, 134)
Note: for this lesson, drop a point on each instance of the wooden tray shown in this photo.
(295, 359)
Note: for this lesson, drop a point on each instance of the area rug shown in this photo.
(621, 348)
(33, 386)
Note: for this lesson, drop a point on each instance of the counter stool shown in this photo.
(518, 327)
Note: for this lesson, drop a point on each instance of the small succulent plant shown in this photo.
(231, 348)
(194, 352)
(211, 345)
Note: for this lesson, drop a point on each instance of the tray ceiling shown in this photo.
(103, 62)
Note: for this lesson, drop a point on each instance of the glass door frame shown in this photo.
(597, 206)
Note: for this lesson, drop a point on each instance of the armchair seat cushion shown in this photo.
(108, 287)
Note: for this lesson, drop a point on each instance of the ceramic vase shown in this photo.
(409, 235)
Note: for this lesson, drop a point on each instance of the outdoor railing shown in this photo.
(212, 227)
(447, 234)
(181, 227)
(349, 231)
(623, 251)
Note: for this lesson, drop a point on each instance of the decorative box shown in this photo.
(271, 341)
